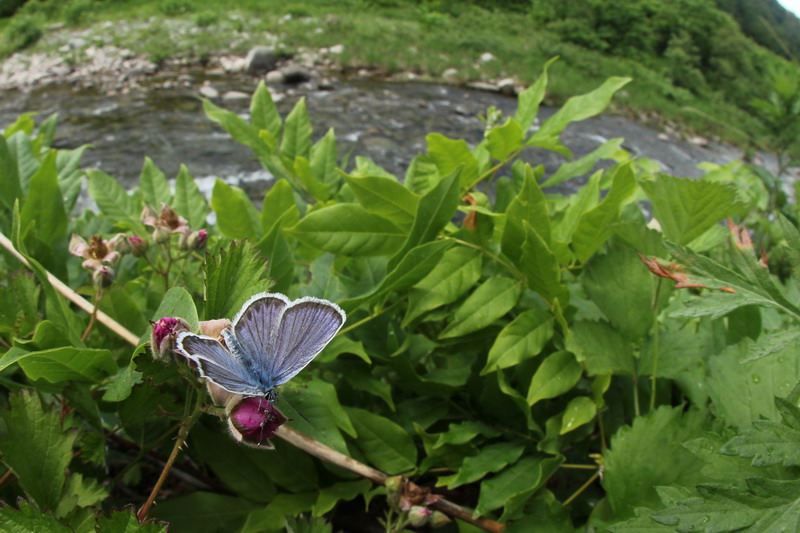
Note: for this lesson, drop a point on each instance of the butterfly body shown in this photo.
(269, 341)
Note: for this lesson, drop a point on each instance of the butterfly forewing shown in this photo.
(307, 325)
(217, 364)
(255, 329)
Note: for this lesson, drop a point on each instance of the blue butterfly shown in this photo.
(270, 340)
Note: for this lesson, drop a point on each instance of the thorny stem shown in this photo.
(183, 432)
(656, 346)
(93, 317)
(582, 488)
(6, 477)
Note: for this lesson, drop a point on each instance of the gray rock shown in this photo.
(450, 75)
(260, 59)
(208, 91)
(293, 75)
(274, 77)
(235, 96)
(507, 86)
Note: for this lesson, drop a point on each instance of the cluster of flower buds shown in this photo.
(167, 222)
(406, 496)
(100, 255)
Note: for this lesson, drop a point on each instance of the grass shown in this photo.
(391, 36)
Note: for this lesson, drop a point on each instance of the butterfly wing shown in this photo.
(281, 337)
(217, 364)
(307, 326)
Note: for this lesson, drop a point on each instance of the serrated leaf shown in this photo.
(385, 197)
(491, 300)
(771, 342)
(189, 202)
(522, 339)
(237, 218)
(28, 519)
(348, 229)
(450, 155)
(36, 448)
(125, 521)
(232, 276)
(386, 445)
(153, 185)
(686, 208)
(557, 374)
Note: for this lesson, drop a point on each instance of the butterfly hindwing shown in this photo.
(217, 364)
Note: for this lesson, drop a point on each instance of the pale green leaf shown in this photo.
(237, 218)
(579, 411)
(557, 374)
(490, 301)
(451, 155)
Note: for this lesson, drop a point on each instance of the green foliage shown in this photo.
(512, 345)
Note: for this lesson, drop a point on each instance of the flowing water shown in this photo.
(384, 121)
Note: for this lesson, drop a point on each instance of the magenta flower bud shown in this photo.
(103, 277)
(138, 245)
(197, 240)
(254, 421)
(419, 516)
(165, 331)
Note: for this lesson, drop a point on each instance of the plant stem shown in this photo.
(484, 251)
(656, 346)
(183, 432)
(364, 320)
(582, 488)
(93, 316)
(636, 409)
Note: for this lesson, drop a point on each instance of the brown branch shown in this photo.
(292, 436)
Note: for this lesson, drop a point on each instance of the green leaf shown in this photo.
(491, 458)
(277, 202)
(528, 100)
(435, 209)
(238, 128)
(650, 453)
(522, 339)
(585, 164)
(769, 443)
(686, 208)
(528, 206)
(601, 348)
(263, 113)
(464, 432)
(305, 175)
(540, 266)
(558, 373)
(503, 140)
(594, 226)
(272, 517)
(153, 185)
(36, 448)
(325, 416)
(204, 512)
(579, 411)
(44, 207)
(237, 218)
(10, 187)
(770, 342)
(281, 261)
(457, 271)
(111, 198)
(490, 301)
(63, 364)
(348, 229)
(579, 108)
(119, 304)
(323, 161)
(27, 519)
(297, 132)
(189, 201)
(450, 156)
(233, 276)
(345, 491)
(125, 521)
(385, 197)
(524, 477)
(386, 445)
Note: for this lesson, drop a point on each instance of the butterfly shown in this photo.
(269, 341)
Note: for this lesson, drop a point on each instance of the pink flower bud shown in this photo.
(165, 331)
(103, 277)
(138, 245)
(419, 516)
(197, 240)
(254, 421)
